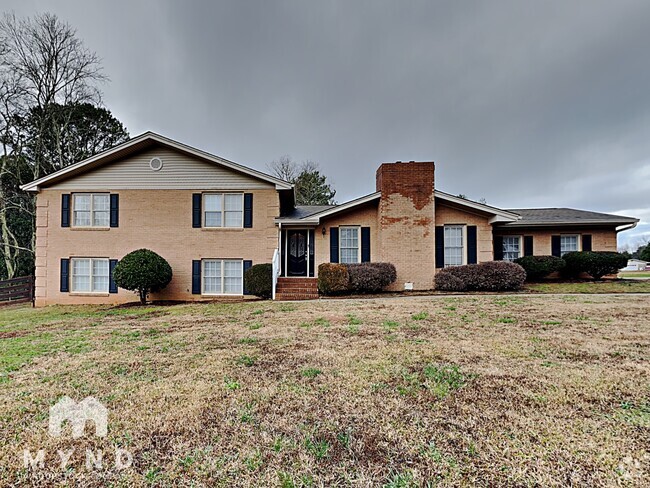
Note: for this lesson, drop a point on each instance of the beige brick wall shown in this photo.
(363, 216)
(160, 220)
(601, 240)
(450, 215)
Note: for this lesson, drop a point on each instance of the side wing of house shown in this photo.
(208, 220)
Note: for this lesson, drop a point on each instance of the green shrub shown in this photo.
(488, 276)
(258, 280)
(449, 282)
(144, 272)
(333, 279)
(538, 267)
(371, 277)
(595, 263)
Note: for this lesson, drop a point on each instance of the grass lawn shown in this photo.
(486, 390)
(635, 274)
(606, 286)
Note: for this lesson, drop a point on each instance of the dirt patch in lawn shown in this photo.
(476, 390)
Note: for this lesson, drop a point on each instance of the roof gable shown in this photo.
(127, 166)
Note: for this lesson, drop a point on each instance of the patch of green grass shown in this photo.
(248, 340)
(317, 448)
(390, 324)
(231, 384)
(506, 320)
(614, 286)
(246, 360)
(353, 320)
(635, 414)
(442, 380)
(322, 321)
(552, 322)
(352, 329)
(311, 372)
(287, 308)
(254, 461)
(255, 326)
(400, 480)
(420, 315)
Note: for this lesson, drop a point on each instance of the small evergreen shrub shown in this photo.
(595, 263)
(371, 277)
(333, 278)
(142, 271)
(488, 276)
(538, 267)
(449, 282)
(258, 280)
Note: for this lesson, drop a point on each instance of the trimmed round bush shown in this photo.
(258, 280)
(371, 277)
(142, 271)
(333, 278)
(538, 267)
(448, 282)
(489, 276)
(595, 263)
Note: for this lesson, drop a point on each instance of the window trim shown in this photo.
(90, 276)
(463, 254)
(358, 229)
(578, 243)
(503, 251)
(73, 223)
(222, 260)
(223, 210)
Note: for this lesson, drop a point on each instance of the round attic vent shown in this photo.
(156, 164)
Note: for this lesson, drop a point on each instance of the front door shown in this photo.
(297, 253)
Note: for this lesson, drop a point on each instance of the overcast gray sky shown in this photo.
(524, 103)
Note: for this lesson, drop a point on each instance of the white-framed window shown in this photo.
(454, 245)
(349, 249)
(511, 247)
(568, 243)
(223, 209)
(91, 209)
(89, 275)
(223, 277)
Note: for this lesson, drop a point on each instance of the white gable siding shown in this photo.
(179, 172)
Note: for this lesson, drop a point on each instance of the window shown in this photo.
(90, 275)
(568, 244)
(454, 251)
(91, 209)
(223, 209)
(511, 247)
(349, 244)
(223, 277)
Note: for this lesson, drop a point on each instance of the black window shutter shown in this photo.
(586, 242)
(440, 246)
(112, 286)
(365, 244)
(472, 251)
(196, 277)
(65, 210)
(65, 275)
(247, 264)
(196, 210)
(334, 244)
(115, 211)
(498, 248)
(556, 246)
(248, 210)
(528, 245)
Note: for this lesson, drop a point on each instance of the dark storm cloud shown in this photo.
(523, 103)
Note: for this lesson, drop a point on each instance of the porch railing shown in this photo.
(276, 270)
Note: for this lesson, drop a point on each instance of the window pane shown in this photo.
(234, 219)
(234, 201)
(81, 275)
(81, 210)
(100, 219)
(81, 218)
(232, 277)
(453, 245)
(100, 275)
(101, 202)
(82, 202)
(510, 248)
(349, 245)
(212, 202)
(213, 219)
(212, 276)
(568, 244)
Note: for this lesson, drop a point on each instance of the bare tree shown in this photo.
(42, 63)
(284, 168)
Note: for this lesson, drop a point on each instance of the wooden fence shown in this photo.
(17, 290)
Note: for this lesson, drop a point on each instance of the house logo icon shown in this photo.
(78, 414)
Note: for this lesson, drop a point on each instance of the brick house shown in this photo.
(212, 219)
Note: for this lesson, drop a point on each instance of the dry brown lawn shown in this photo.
(487, 391)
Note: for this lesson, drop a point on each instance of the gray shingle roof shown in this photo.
(302, 211)
(554, 216)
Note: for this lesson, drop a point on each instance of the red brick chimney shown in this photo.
(406, 219)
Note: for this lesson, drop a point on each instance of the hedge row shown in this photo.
(339, 279)
(594, 263)
(488, 276)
